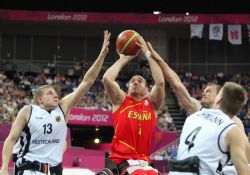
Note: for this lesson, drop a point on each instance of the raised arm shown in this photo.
(188, 103)
(235, 141)
(89, 78)
(111, 86)
(15, 132)
(157, 94)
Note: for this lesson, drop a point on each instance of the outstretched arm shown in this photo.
(89, 78)
(157, 94)
(111, 86)
(188, 103)
(15, 132)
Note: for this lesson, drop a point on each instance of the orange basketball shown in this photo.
(126, 42)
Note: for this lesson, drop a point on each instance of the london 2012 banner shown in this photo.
(122, 18)
(80, 116)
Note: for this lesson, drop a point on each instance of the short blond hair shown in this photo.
(39, 92)
(234, 97)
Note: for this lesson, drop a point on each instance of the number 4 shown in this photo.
(190, 141)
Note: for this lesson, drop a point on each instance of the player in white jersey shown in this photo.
(213, 137)
(39, 130)
(189, 103)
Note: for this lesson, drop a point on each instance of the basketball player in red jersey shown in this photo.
(134, 114)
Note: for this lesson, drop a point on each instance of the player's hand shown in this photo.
(142, 44)
(106, 42)
(128, 58)
(154, 54)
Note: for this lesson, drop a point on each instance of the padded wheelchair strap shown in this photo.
(190, 164)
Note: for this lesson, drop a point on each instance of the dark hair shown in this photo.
(146, 83)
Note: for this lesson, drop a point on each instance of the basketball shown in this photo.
(126, 42)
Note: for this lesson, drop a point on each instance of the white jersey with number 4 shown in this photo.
(203, 135)
(44, 136)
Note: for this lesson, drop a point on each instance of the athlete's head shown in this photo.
(137, 86)
(209, 94)
(231, 98)
(46, 97)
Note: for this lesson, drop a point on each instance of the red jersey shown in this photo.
(134, 123)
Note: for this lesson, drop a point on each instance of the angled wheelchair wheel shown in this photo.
(105, 171)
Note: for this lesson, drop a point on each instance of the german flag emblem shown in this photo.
(58, 119)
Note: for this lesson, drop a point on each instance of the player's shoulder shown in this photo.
(26, 108)
(238, 122)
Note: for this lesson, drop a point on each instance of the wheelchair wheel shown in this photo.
(105, 171)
